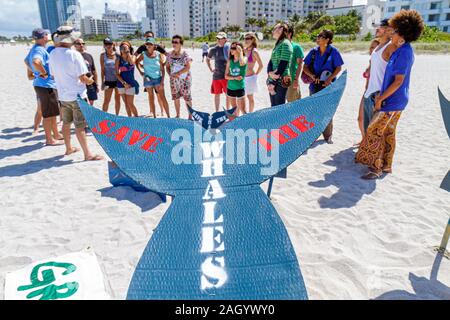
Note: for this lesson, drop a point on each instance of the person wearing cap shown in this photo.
(219, 54)
(71, 76)
(143, 48)
(153, 72)
(92, 90)
(108, 75)
(38, 62)
(378, 63)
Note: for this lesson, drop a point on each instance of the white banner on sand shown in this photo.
(75, 276)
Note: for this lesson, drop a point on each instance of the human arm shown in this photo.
(259, 61)
(298, 73)
(139, 65)
(102, 69)
(119, 77)
(398, 81)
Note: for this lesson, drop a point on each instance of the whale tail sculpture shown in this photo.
(445, 107)
(221, 238)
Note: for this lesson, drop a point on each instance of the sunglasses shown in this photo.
(248, 39)
(320, 36)
(233, 48)
(80, 43)
(175, 42)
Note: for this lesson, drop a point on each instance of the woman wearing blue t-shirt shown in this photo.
(377, 148)
(323, 64)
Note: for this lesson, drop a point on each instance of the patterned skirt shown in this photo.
(378, 146)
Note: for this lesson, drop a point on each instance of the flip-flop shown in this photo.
(74, 150)
(57, 144)
(95, 158)
(371, 176)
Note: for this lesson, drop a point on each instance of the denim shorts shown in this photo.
(369, 109)
(151, 83)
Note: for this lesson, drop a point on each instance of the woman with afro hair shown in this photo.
(378, 146)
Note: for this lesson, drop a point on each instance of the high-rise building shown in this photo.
(150, 9)
(91, 26)
(49, 14)
(55, 13)
(172, 17)
(436, 13)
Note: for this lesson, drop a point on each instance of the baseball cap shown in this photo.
(383, 23)
(221, 35)
(108, 41)
(150, 40)
(39, 33)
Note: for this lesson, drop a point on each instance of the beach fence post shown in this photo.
(445, 239)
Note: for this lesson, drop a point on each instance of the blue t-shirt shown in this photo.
(39, 52)
(320, 65)
(400, 63)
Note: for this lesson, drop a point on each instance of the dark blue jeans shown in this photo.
(280, 96)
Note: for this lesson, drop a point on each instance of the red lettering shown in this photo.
(265, 143)
(137, 137)
(120, 134)
(151, 144)
(303, 125)
(278, 134)
(105, 127)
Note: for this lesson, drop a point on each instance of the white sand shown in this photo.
(354, 239)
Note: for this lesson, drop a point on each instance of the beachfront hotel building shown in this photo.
(436, 13)
(55, 13)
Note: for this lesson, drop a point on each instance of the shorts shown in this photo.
(48, 100)
(251, 84)
(369, 109)
(205, 54)
(181, 88)
(71, 112)
(92, 92)
(219, 86)
(236, 93)
(293, 94)
(151, 83)
(110, 84)
(128, 92)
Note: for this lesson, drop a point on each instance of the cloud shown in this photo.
(21, 17)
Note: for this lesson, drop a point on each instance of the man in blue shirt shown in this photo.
(44, 85)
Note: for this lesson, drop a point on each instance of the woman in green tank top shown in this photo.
(235, 74)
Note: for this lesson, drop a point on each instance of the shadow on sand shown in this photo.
(12, 136)
(346, 177)
(424, 289)
(16, 129)
(17, 152)
(145, 200)
(31, 167)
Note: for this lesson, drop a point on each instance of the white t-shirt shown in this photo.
(67, 66)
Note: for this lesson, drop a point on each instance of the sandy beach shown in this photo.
(354, 239)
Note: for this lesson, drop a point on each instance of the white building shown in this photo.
(436, 13)
(120, 30)
(172, 17)
(91, 26)
(371, 14)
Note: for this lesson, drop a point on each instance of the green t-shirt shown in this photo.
(298, 54)
(283, 51)
(237, 70)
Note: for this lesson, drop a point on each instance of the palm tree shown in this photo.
(251, 22)
(262, 23)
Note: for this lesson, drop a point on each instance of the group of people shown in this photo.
(61, 74)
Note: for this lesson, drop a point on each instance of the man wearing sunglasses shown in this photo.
(92, 90)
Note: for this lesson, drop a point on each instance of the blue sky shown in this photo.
(22, 16)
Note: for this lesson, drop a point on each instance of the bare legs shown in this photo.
(251, 103)
(49, 127)
(163, 103)
(81, 136)
(108, 96)
(151, 102)
(129, 105)
(238, 103)
(361, 120)
(37, 118)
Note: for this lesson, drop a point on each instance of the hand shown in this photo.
(43, 75)
(316, 80)
(295, 84)
(238, 78)
(126, 85)
(176, 75)
(378, 103)
(239, 49)
(327, 82)
(274, 76)
(213, 70)
(90, 81)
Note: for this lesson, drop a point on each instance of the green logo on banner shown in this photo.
(42, 281)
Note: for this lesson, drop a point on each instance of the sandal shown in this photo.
(372, 175)
(94, 158)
